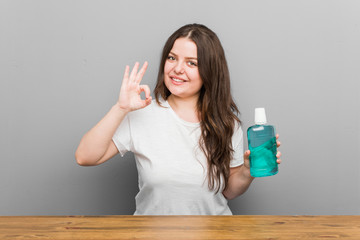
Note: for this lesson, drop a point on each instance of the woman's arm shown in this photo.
(240, 178)
(97, 146)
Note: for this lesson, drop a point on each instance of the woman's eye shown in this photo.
(170, 58)
(191, 63)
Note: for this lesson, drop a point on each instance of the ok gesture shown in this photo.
(129, 97)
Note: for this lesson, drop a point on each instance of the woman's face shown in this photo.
(181, 73)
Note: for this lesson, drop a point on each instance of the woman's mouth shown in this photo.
(177, 81)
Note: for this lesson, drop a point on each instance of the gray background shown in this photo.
(61, 68)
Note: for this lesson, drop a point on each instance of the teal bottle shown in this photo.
(262, 146)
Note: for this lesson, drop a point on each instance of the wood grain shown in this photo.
(180, 227)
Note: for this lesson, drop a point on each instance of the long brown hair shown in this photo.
(218, 111)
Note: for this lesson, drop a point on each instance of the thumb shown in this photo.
(247, 154)
(247, 159)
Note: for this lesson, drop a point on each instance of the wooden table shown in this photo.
(180, 227)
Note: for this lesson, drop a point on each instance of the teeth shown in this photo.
(177, 80)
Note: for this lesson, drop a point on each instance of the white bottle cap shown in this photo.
(260, 116)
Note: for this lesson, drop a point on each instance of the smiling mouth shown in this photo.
(178, 80)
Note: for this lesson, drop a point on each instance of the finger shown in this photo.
(278, 143)
(148, 101)
(278, 160)
(146, 90)
(278, 155)
(277, 136)
(141, 73)
(126, 74)
(134, 71)
(247, 154)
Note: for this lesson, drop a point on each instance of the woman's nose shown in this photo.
(179, 68)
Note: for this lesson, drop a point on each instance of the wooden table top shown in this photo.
(180, 227)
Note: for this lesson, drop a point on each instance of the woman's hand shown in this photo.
(240, 177)
(247, 155)
(129, 97)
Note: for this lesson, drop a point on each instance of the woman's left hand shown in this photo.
(247, 154)
(240, 177)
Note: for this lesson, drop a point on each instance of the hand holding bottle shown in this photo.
(129, 97)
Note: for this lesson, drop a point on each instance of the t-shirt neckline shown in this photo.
(190, 124)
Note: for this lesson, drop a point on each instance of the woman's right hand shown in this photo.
(129, 97)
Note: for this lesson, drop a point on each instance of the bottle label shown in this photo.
(263, 159)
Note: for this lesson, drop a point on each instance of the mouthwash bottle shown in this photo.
(262, 146)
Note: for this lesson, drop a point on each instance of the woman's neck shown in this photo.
(186, 109)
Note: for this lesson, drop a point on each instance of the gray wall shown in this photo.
(61, 66)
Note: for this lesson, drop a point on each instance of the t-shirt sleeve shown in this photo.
(122, 136)
(238, 146)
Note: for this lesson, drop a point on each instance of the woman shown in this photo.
(188, 143)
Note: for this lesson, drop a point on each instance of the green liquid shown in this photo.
(262, 146)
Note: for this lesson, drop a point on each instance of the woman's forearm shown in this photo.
(239, 181)
(96, 141)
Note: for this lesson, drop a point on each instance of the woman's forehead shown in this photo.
(184, 47)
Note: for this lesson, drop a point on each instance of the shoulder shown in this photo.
(237, 137)
(237, 127)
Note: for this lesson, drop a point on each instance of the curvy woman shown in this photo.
(188, 141)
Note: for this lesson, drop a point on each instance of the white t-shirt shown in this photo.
(172, 169)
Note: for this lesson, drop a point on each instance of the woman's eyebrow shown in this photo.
(185, 57)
